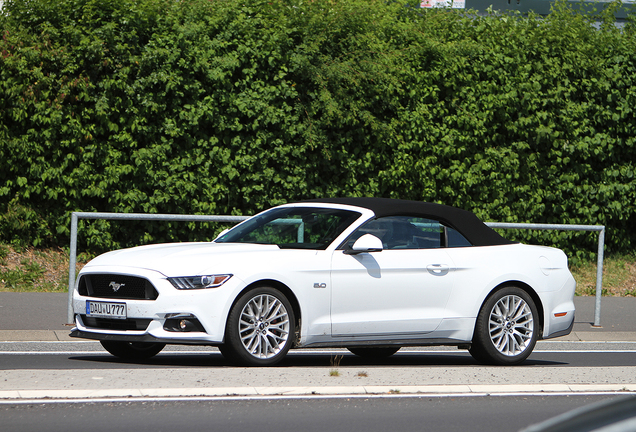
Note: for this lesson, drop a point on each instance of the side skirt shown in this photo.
(387, 342)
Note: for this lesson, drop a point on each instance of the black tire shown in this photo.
(374, 352)
(228, 353)
(266, 331)
(510, 336)
(133, 350)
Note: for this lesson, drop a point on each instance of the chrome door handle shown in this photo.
(438, 269)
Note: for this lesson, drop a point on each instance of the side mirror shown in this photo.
(366, 243)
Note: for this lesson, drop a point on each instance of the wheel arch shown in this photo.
(289, 294)
(530, 291)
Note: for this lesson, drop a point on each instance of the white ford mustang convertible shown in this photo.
(368, 274)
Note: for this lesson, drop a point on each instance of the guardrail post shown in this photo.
(71, 268)
(599, 278)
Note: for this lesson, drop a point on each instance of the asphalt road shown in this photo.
(79, 356)
(47, 311)
(53, 383)
(347, 414)
(32, 370)
(38, 360)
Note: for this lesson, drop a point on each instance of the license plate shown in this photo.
(106, 310)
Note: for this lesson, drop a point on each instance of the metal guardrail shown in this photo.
(599, 258)
(75, 216)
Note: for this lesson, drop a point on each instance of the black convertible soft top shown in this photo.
(469, 225)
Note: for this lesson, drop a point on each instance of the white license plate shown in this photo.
(106, 310)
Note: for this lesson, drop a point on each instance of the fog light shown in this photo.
(182, 322)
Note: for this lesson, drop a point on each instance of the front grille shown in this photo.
(115, 324)
(117, 286)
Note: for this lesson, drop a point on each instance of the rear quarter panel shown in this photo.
(480, 270)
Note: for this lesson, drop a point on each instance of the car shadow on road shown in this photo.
(301, 359)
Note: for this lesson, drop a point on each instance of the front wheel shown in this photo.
(506, 328)
(260, 328)
(133, 350)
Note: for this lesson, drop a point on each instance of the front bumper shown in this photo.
(153, 319)
(135, 338)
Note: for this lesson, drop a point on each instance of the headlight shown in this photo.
(199, 282)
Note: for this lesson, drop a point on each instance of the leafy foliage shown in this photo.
(218, 107)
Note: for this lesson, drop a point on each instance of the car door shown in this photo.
(400, 291)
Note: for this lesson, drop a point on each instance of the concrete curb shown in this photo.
(36, 335)
(454, 390)
(592, 336)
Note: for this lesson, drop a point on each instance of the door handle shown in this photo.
(438, 269)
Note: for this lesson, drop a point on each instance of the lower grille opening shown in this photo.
(116, 324)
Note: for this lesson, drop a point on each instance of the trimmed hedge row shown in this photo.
(215, 107)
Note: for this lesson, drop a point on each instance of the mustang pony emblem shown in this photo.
(115, 286)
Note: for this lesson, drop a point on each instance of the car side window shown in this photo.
(293, 228)
(406, 232)
(455, 239)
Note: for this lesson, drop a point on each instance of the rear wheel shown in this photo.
(133, 350)
(506, 328)
(374, 352)
(260, 328)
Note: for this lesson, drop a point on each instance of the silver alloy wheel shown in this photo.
(511, 325)
(264, 326)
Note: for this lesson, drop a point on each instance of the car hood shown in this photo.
(183, 259)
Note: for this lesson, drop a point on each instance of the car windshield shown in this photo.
(293, 227)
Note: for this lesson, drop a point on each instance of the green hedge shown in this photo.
(218, 107)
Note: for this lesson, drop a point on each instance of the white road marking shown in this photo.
(310, 352)
(301, 397)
